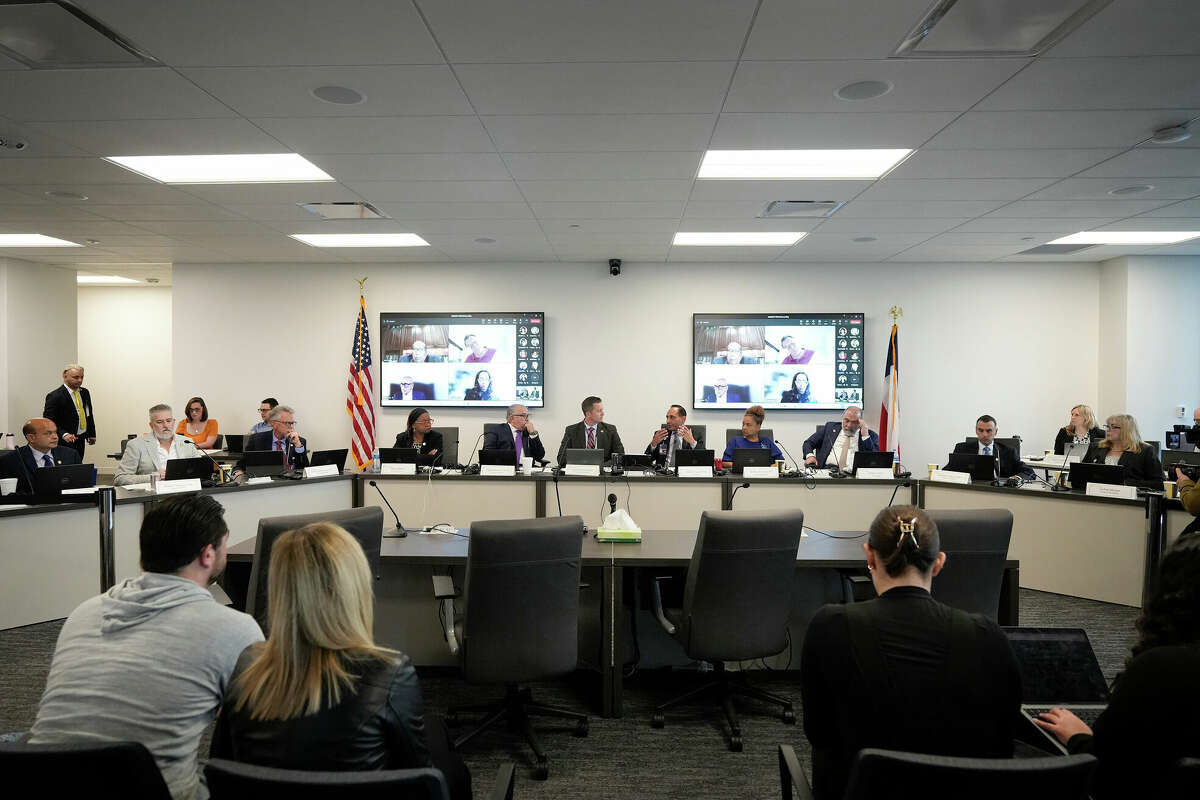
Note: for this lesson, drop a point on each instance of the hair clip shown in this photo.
(908, 529)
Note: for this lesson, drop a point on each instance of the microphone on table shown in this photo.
(474, 455)
(612, 503)
(216, 464)
(401, 531)
(789, 455)
(735, 491)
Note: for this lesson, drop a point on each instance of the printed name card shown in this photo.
(875, 474)
(323, 471)
(498, 470)
(175, 487)
(260, 479)
(694, 471)
(760, 472)
(398, 469)
(1111, 490)
(584, 470)
(950, 476)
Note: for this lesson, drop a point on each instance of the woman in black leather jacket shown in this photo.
(319, 694)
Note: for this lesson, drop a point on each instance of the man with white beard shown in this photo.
(150, 452)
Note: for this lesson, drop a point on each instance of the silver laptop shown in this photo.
(584, 455)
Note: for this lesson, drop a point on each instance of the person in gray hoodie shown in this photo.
(150, 660)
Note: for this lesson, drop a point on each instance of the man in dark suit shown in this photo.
(517, 425)
(282, 436)
(722, 392)
(592, 433)
(677, 436)
(407, 390)
(418, 355)
(1007, 461)
(70, 408)
(41, 451)
(733, 355)
(833, 445)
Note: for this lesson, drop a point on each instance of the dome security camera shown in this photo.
(614, 267)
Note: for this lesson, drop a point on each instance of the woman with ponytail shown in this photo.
(903, 671)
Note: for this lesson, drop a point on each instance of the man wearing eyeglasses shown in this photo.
(409, 391)
(517, 434)
(264, 408)
(281, 437)
(150, 452)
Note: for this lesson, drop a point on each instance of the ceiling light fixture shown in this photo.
(738, 238)
(103, 279)
(1172, 134)
(485, 240)
(799, 164)
(864, 238)
(1127, 237)
(33, 240)
(994, 28)
(339, 95)
(360, 239)
(244, 168)
(1137, 188)
(55, 194)
(863, 90)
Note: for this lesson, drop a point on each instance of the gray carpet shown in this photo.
(620, 758)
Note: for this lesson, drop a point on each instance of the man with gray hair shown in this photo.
(282, 438)
(517, 434)
(70, 408)
(150, 452)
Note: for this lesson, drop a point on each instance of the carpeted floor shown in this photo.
(621, 758)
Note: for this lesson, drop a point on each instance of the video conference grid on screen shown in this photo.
(484, 359)
(778, 361)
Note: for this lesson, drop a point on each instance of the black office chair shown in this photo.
(235, 780)
(732, 432)
(736, 603)
(364, 524)
(520, 620)
(890, 773)
(976, 546)
(1011, 442)
(108, 770)
(449, 446)
(220, 440)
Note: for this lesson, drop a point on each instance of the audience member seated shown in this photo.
(319, 694)
(420, 434)
(150, 660)
(903, 671)
(264, 410)
(1123, 445)
(1081, 430)
(1151, 717)
(197, 426)
(751, 424)
(41, 450)
(149, 453)
(1189, 496)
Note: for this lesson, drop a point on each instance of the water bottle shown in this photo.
(376, 467)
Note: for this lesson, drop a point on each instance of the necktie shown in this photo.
(79, 410)
(278, 445)
(47, 461)
(591, 442)
(670, 449)
(518, 445)
(987, 449)
(845, 449)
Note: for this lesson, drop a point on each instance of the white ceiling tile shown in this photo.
(918, 85)
(611, 210)
(1110, 83)
(42, 212)
(603, 166)
(390, 91)
(1134, 28)
(136, 213)
(615, 225)
(1098, 189)
(413, 166)
(875, 227)
(1150, 160)
(831, 29)
(764, 191)
(117, 193)
(698, 224)
(821, 130)
(270, 193)
(1148, 223)
(437, 191)
(731, 254)
(80, 94)
(462, 134)
(1186, 208)
(931, 252)
(1027, 163)
(603, 191)
(94, 228)
(954, 189)
(23, 193)
(870, 209)
(1029, 226)
(833, 242)
(268, 213)
(582, 241)
(600, 254)
(684, 87)
(38, 144)
(389, 255)
(734, 210)
(198, 229)
(480, 211)
(1033, 209)
(608, 133)
(1016, 239)
(495, 228)
(490, 31)
(154, 137)
(270, 32)
(65, 171)
(1048, 129)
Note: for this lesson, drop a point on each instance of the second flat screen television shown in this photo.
(489, 359)
(778, 361)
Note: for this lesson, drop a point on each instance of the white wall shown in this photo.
(1112, 303)
(125, 347)
(38, 304)
(966, 345)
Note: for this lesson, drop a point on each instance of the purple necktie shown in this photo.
(518, 447)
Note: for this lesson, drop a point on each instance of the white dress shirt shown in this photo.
(39, 456)
(162, 456)
(835, 452)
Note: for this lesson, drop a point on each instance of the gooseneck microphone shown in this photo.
(789, 455)
(474, 452)
(220, 470)
(735, 491)
(612, 503)
(401, 531)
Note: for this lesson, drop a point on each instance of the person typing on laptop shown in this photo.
(1123, 446)
(42, 450)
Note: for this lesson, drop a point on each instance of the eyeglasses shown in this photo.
(291, 424)
(406, 383)
(519, 415)
(195, 408)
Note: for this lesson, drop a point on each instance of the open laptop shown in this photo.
(584, 455)
(336, 457)
(398, 455)
(1058, 670)
(750, 457)
(1083, 474)
(694, 458)
(263, 463)
(506, 458)
(234, 442)
(865, 460)
(181, 468)
(52, 480)
(981, 468)
(634, 461)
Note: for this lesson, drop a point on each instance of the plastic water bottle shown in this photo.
(375, 465)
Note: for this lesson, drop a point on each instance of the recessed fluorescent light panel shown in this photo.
(114, 279)
(995, 28)
(738, 239)
(1127, 237)
(361, 239)
(798, 164)
(256, 168)
(33, 240)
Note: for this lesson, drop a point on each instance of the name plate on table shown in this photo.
(498, 470)
(1111, 490)
(875, 474)
(175, 487)
(949, 476)
(760, 472)
(85, 490)
(258, 480)
(398, 469)
(584, 470)
(323, 471)
(696, 472)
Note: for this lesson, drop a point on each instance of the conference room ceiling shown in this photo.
(567, 130)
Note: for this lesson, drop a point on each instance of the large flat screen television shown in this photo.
(488, 359)
(778, 361)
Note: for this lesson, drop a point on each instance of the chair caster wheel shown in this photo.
(541, 772)
(789, 716)
(735, 743)
(581, 729)
(658, 720)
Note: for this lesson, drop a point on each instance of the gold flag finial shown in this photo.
(361, 281)
(896, 312)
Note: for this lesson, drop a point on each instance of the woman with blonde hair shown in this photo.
(1122, 445)
(319, 694)
(1080, 431)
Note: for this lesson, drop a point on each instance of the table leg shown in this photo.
(612, 643)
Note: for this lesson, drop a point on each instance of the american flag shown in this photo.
(889, 415)
(360, 392)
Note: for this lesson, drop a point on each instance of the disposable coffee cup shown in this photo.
(932, 468)
(527, 465)
(8, 485)
(1169, 488)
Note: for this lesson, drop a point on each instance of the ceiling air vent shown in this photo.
(1054, 249)
(801, 208)
(344, 210)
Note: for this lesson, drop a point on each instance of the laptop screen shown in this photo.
(1057, 666)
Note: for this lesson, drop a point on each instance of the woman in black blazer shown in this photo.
(800, 391)
(421, 435)
(1124, 447)
(482, 390)
(1082, 429)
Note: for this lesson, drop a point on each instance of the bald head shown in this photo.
(41, 433)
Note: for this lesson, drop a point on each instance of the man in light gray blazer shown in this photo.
(150, 452)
